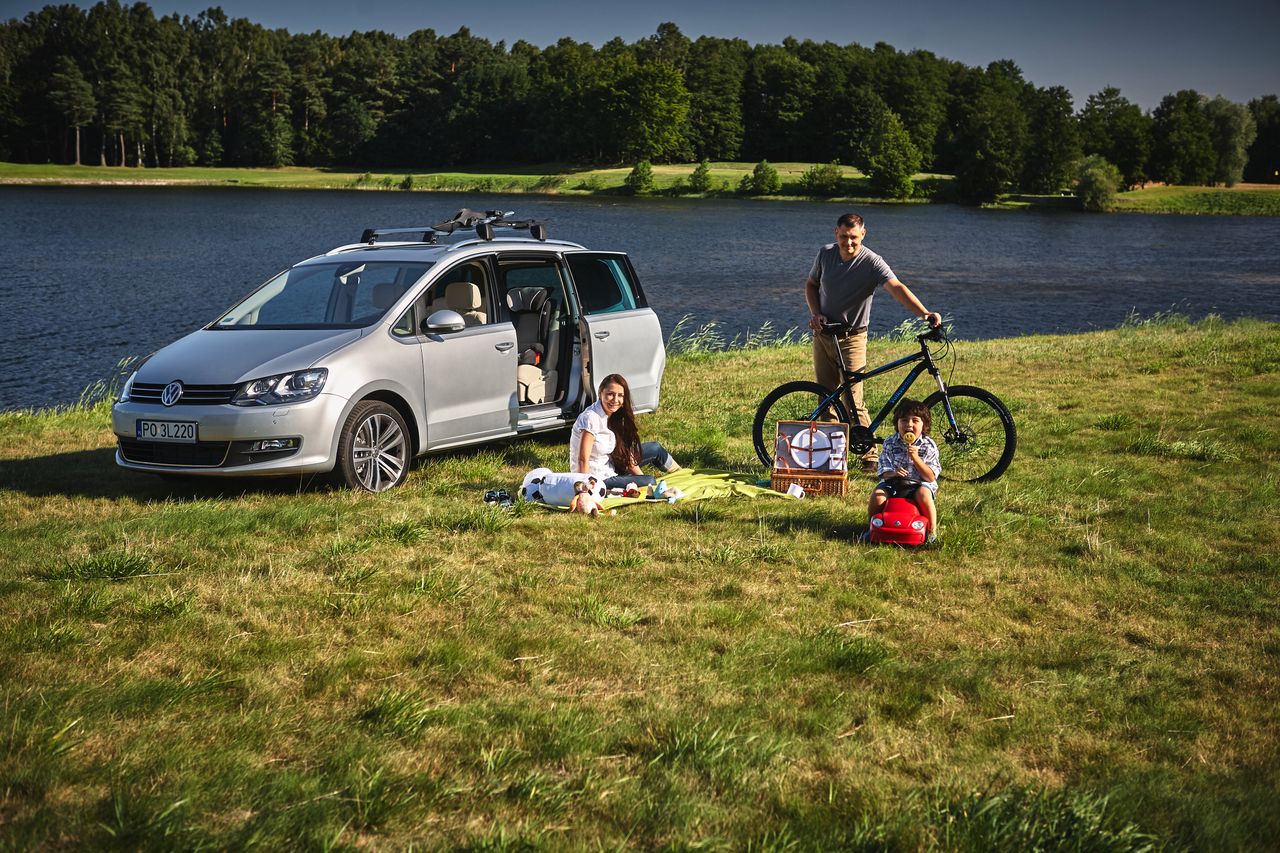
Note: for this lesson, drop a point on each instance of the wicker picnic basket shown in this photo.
(818, 481)
(818, 485)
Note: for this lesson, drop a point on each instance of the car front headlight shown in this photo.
(281, 389)
(127, 390)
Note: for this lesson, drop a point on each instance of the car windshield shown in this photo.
(325, 296)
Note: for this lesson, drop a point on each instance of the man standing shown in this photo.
(844, 277)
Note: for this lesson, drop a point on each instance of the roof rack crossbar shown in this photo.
(484, 224)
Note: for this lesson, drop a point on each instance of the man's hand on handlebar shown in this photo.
(816, 322)
(934, 319)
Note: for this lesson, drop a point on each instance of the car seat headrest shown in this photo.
(462, 296)
(526, 299)
(385, 295)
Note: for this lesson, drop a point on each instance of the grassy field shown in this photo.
(1088, 660)
(1253, 200)
(548, 178)
(669, 180)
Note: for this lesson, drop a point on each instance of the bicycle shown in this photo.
(978, 436)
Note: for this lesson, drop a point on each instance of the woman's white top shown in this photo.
(596, 422)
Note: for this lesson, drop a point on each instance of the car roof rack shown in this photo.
(484, 224)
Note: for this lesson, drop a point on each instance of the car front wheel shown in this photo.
(374, 448)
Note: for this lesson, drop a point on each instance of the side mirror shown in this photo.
(444, 320)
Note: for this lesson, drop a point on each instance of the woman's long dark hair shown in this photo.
(623, 424)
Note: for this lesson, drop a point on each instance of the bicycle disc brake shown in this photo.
(861, 439)
(961, 435)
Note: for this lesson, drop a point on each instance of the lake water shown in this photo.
(89, 276)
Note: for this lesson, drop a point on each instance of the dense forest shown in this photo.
(115, 85)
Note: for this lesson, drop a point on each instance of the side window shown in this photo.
(404, 326)
(604, 283)
(465, 289)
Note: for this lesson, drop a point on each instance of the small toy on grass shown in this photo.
(546, 487)
(584, 501)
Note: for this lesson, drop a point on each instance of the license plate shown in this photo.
(181, 432)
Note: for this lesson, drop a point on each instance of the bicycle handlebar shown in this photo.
(936, 335)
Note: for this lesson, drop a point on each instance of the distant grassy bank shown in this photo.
(547, 178)
(1254, 200)
(669, 181)
(1089, 660)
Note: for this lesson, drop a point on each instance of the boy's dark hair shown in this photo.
(848, 220)
(909, 407)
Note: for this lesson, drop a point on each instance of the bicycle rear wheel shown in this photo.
(794, 401)
(981, 445)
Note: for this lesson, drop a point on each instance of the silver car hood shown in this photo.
(229, 356)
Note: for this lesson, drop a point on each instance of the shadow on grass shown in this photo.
(835, 519)
(94, 474)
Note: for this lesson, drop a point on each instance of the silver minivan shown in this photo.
(362, 358)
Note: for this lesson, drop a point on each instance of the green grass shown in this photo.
(545, 178)
(1237, 201)
(1089, 659)
(670, 180)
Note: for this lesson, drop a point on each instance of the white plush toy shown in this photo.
(544, 486)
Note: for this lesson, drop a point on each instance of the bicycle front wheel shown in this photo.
(980, 446)
(794, 401)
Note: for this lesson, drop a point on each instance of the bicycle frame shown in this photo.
(853, 377)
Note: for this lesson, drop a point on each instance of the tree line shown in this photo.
(115, 85)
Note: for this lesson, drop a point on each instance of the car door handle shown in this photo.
(503, 347)
(600, 336)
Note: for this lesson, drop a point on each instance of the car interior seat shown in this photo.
(385, 295)
(464, 297)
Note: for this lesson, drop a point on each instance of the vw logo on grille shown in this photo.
(171, 393)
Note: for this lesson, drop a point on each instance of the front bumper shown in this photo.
(226, 437)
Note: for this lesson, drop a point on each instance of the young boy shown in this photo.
(909, 464)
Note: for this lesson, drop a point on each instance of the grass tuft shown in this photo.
(486, 520)
(404, 531)
(833, 650)
(1116, 422)
(1196, 449)
(108, 565)
(399, 712)
(596, 612)
(1019, 818)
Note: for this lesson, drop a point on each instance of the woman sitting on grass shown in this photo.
(605, 443)
(909, 464)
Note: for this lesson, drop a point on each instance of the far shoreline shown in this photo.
(671, 183)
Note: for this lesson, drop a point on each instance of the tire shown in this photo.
(794, 401)
(374, 450)
(987, 438)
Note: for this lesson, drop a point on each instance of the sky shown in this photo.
(1146, 48)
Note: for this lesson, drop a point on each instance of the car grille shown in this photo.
(204, 454)
(192, 395)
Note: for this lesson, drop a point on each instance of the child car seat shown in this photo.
(899, 523)
(531, 315)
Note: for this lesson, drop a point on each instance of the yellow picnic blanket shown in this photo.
(702, 484)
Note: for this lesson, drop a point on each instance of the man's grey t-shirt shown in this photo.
(845, 288)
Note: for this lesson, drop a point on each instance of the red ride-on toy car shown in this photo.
(899, 523)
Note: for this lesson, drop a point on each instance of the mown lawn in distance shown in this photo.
(1254, 200)
(544, 178)
(1088, 660)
